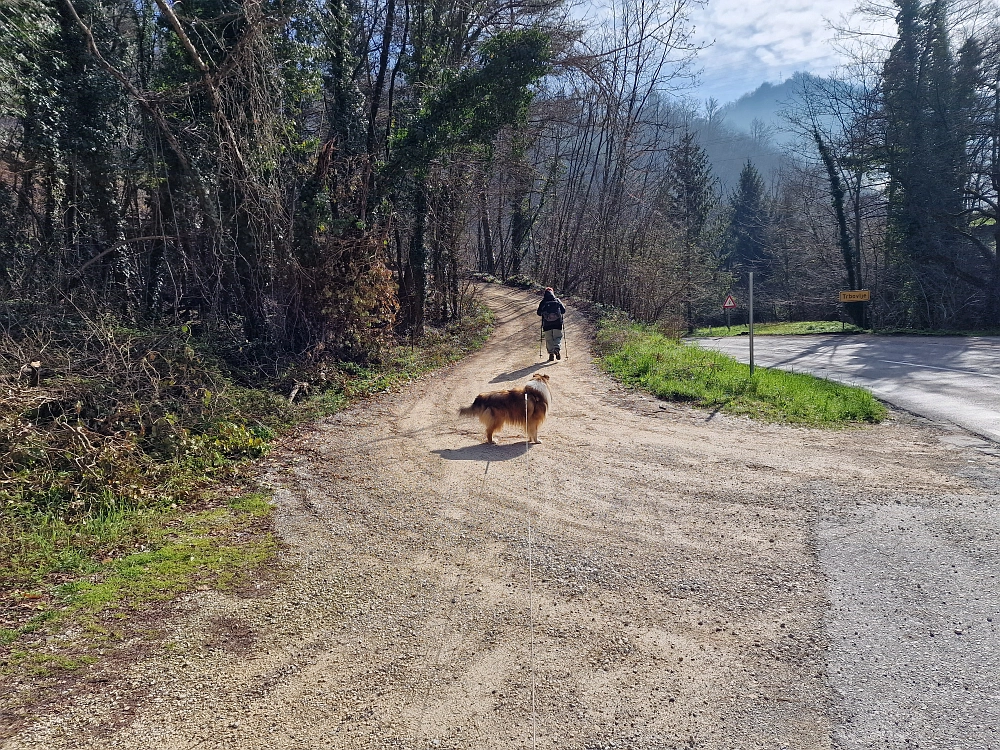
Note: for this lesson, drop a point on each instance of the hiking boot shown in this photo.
(557, 354)
(552, 357)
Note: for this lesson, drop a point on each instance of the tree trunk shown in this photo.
(417, 262)
(487, 260)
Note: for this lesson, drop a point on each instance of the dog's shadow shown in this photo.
(504, 377)
(483, 452)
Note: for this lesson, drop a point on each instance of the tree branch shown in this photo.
(219, 114)
(152, 111)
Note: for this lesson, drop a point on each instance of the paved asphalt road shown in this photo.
(953, 379)
(912, 631)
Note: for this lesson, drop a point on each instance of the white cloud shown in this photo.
(753, 42)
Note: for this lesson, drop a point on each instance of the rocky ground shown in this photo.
(690, 580)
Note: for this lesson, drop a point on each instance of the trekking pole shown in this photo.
(565, 339)
(541, 335)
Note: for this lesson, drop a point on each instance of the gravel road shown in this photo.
(692, 581)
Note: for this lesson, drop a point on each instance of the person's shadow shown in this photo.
(483, 452)
(518, 374)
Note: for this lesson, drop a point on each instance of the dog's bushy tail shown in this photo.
(472, 411)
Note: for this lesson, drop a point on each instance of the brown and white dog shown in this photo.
(524, 407)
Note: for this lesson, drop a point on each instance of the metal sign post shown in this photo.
(751, 324)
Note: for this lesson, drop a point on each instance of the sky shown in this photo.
(753, 41)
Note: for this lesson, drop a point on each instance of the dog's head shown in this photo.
(540, 376)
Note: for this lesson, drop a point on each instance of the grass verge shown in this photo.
(102, 516)
(801, 328)
(68, 619)
(643, 357)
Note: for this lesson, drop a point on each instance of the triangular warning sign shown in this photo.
(730, 303)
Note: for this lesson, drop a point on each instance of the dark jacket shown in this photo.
(551, 303)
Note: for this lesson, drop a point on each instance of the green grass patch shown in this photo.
(122, 564)
(645, 358)
(180, 548)
(801, 328)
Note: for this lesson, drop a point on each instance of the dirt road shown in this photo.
(677, 595)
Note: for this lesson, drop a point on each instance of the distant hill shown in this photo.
(752, 128)
(728, 150)
(763, 106)
(730, 138)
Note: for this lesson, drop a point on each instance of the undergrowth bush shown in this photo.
(521, 281)
(114, 412)
(121, 432)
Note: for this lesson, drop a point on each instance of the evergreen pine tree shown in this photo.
(746, 247)
(927, 109)
(691, 197)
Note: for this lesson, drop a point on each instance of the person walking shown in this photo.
(552, 310)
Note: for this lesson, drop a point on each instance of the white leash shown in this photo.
(531, 602)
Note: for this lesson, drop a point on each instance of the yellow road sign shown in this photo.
(856, 295)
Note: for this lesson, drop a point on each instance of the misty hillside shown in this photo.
(729, 149)
(763, 106)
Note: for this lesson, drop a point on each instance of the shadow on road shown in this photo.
(518, 374)
(483, 452)
(865, 358)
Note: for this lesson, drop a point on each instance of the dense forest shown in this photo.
(290, 177)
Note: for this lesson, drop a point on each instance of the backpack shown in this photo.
(550, 313)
